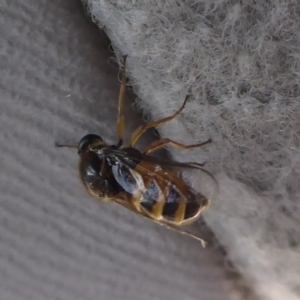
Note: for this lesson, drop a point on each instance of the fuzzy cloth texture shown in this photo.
(240, 61)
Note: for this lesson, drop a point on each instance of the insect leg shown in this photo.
(175, 228)
(141, 129)
(164, 142)
(120, 122)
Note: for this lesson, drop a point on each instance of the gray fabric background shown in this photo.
(56, 242)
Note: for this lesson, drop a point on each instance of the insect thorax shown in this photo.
(96, 175)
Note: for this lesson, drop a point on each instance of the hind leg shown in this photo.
(165, 142)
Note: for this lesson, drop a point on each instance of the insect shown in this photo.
(144, 184)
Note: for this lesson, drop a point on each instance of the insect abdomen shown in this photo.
(169, 204)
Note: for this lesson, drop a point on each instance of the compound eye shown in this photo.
(88, 140)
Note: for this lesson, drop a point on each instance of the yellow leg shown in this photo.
(120, 122)
(140, 130)
(164, 142)
(175, 228)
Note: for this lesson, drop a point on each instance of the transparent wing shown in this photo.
(146, 165)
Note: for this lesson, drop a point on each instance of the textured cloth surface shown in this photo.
(240, 61)
(56, 242)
